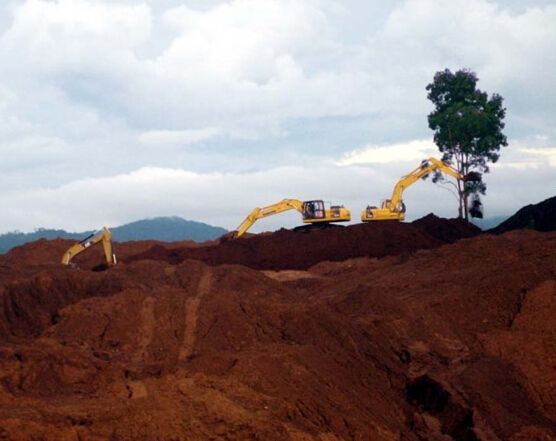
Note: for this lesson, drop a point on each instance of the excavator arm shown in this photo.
(104, 236)
(312, 212)
(394, 208)
(259, 213)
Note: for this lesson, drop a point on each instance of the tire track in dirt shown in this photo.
(147, 328)
(192, 314)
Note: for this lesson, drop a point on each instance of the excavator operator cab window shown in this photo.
(313, 210)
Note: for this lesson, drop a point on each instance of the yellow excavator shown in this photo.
(104, 236)
(312, 212)
(394, 208)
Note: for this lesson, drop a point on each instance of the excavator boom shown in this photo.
(104, 236)
(394, 208)
(311, 211)
(259, 213)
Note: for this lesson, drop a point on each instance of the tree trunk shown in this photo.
(460, 166)
(460, 197)
(464, 171)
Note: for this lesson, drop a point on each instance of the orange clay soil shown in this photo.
(412, 339)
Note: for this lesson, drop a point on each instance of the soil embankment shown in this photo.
(539, 217)
(410, 339)
(298, 250)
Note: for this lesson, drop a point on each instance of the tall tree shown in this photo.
(467, 127)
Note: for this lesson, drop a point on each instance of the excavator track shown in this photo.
(316, 227)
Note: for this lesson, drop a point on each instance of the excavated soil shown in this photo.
(540, 217)
(299, 250)
(409, 339)
(446, 230)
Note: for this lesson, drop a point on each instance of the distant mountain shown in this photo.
(489, 222)
(167, 229)
(540, 217)
(14, 239)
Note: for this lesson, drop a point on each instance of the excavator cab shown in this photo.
(387, 204)
(313, 210)
(316, 212)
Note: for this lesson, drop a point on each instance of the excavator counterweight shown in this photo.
(394, 208)
(104, 236)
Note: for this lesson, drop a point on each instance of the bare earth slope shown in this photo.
(453, 342)
(540, 217)
(287, 249)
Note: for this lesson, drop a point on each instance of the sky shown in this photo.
(113, 111)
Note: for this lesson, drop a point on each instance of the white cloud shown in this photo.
(226, 198)
(244, 40)
(511, 52)
(252, 63)
(76, 34)
(220, 199)
(547, 153)
(528, 154)
(180, 137)
(382, 154)
(249, 64)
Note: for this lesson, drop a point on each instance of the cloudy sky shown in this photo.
(111, 111)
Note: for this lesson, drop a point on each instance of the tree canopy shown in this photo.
(467, 126)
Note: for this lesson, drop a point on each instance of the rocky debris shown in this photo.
(539, 217)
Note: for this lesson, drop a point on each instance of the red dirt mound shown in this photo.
(539, 217)
(48, 253)
(284, 249)
(40, 252)
(288, 249)
(455, 343)
(446, 230)
(388, 349)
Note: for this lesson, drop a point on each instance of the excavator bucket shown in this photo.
(472, 177)
(230, 235)
(476, 208)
